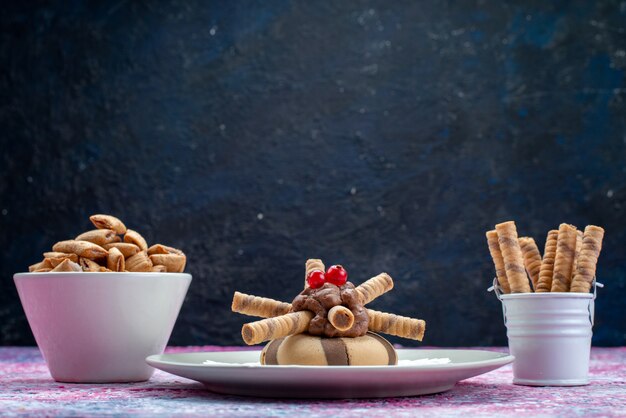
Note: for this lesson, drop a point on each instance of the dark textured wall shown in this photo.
(387, 136)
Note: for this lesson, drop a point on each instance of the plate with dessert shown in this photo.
(327, 344)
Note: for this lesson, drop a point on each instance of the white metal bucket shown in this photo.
(549, 335)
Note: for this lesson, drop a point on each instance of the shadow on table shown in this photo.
(463, 393)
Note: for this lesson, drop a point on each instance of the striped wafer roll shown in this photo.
(258, 306)
(400, 326)
(276, 327)
(513, 258)
(564, 259)
(312, 264)
(341, 318)
(579, 245)
(532, 258)
(587, 259)
(547, 263)
(374, 287)
(308, 350)
(498, 261)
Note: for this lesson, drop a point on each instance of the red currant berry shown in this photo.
(316, 279)
(336, 275)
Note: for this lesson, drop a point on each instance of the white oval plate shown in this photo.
(339, 382)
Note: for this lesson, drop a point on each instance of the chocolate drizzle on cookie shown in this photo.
(321, 300)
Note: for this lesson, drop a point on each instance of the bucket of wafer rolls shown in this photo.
(547, 301)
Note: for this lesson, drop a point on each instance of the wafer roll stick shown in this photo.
(276, 327)
(564, 259)
(341, 317)
(547, 263)
(579, 245)
(258, 306)
(532, 258)
(374, 287)
(312, 264)
(498, 261)
(588, 258)
(513, 258)
(400, 326)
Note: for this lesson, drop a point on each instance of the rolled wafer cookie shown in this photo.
(513, 258)
(258, 306)
(101, 221)
(564, 258)
(498, 261)
(115, 260)
(579, 245)
(400, 326)
(175, 263)
(374, 287)
(588, 259)
(547, 263)
(341, 318)
(35, 266)
(55, 261)
(276, 327)
(310, 265)
(42, 265)
(163, 249)
(89, 265)
(82, 248)
(56, 255)
(127, 249)
(532, 259)
(67, 265)
(135, 237)
(139, 262)
(98, 236)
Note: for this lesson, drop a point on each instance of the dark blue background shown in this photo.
(386, 136)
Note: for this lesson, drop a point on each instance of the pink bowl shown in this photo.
(100, 327)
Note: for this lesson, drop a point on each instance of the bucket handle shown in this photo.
(495, 287)
(592, 311)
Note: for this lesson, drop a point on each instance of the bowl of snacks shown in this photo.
(99, 304)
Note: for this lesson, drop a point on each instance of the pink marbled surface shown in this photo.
(27, 389)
